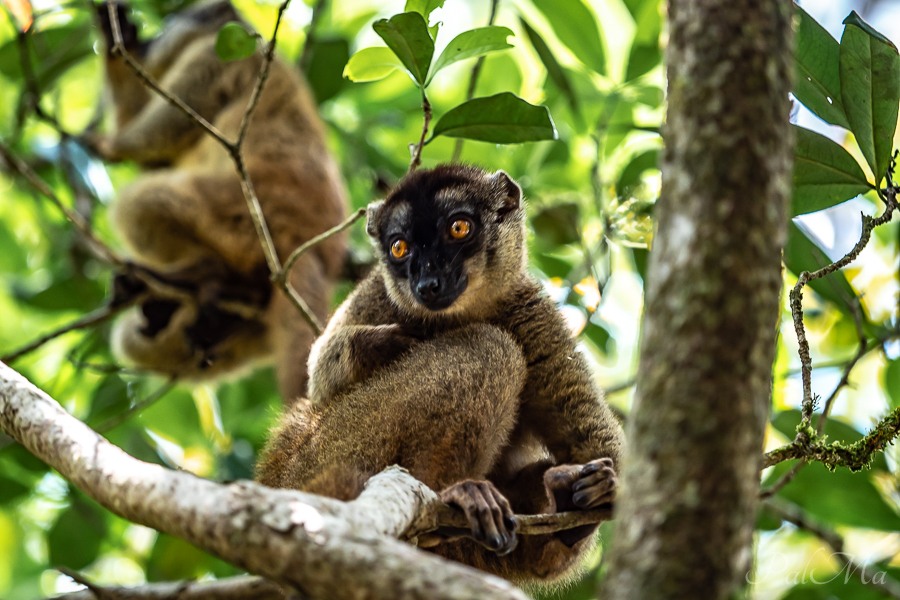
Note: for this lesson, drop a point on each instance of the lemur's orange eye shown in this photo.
(399, 249)
(460, 228)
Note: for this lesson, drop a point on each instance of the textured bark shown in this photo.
(233, 588)
(691, 475)
(321, 547)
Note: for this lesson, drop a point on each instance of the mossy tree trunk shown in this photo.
(691, 476)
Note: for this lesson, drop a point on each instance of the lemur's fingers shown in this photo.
(489, 513)
(596, 486)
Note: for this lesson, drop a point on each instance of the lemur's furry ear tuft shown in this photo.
(373, 214)
(510, 192)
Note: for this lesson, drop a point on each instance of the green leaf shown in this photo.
(554, 69)
(557, 225)
(837, 431)
(173, 558)
(371, 64)
(472, 43)
(802, 254)
(891, 379)
(110, 398)
(407, 35)
(645, 52)
(600, 337)
(631, 174)
(817, 82)
(824, 173)
(10, 489)
(501, 119)
(326, 64)
(69, 293)
(838, 498)
(74, 540)
(575, 24)
(52, 52)
(870, 90)
(423, 7)
(234, 42)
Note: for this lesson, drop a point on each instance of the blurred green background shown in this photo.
(597, 66)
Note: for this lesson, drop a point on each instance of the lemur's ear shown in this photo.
(373, 215)
(510, 192)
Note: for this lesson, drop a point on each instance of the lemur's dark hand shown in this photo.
(490, 515)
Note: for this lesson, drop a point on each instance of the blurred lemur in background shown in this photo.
(186, 218)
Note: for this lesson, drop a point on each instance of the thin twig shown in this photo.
(782, 481)
(104, 251)
(296, 254)
(119, 50)
(868, 224)
(101, 315)
(426, 121)
(473, 82)
(261, 78)
(310, 41)
(795, 515)
(117, 420)
(81, 579)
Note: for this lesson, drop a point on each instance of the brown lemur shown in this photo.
(186, 218)
(450, 361)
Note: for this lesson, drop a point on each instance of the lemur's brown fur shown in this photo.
(488, 401)
(186, 218)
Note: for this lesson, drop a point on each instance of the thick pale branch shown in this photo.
(232, 588)
(322, 547)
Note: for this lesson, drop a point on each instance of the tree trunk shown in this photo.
(691, 475)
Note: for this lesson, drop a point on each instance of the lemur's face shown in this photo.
(447, 234)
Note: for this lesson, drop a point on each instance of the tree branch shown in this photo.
(426, 121)
(102, 250)
(322, 547)
(795, 515)
(101, 315)
(806, 444)
(232, 588)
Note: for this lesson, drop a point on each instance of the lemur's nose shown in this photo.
(428, 288)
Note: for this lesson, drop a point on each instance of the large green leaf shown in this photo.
(10, 489)
(423, 7)
(407, 35)
(817, 82)
(891, 380)
(838, 498)
(631, 174)
(110, 398)
(870, 90)
(372, 64)
(837, 431)
(52, 51)
(472, 43)
(576, 26)
(645, 53)
(824, 173)
(554, 69)
(327, 60)
(234, 42)
(557, 225)
(801, 254)
(74, 540)
(501, 119)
